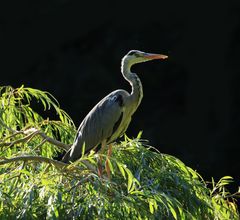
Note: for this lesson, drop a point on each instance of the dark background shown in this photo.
(191, 101)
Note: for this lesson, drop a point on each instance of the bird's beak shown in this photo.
(153, 56)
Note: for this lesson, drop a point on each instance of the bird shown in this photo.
(110, 117)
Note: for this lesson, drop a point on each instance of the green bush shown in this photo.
(144, 184)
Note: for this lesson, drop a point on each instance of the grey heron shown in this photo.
(109, 119)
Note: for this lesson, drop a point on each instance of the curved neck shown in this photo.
(135, 82)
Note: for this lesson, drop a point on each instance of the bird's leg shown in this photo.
(107, 161)
(103, 144)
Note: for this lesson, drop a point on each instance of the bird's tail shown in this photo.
(66, 157)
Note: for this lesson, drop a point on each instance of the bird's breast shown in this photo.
(122, 127)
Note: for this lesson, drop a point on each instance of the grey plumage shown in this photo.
(109, 119)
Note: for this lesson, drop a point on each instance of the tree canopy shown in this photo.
(144, 184)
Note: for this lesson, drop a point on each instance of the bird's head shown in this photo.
(136, 56)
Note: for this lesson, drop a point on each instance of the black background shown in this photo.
(191, 101)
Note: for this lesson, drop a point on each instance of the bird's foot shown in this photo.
(107, 163)
(108, 169)
(99, 169)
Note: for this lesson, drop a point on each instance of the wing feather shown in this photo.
(99, 125)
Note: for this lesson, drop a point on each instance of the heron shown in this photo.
(110, 118)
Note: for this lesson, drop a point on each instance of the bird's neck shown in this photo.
(135, 82)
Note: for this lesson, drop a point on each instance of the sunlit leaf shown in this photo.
(120, 167)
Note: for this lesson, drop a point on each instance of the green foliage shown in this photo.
(17, 120)
(144, 184)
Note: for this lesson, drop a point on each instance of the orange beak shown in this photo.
(153, 56)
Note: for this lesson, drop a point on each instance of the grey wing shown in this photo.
(99, 125)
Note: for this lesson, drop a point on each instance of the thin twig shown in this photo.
(40, 144)
(15, 133)
(4, 125)
(24, 139)
(80, 182)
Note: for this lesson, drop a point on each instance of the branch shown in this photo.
(33, 132)
(49, 139)
(41, 159)
(54, 142)
(56, 163)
